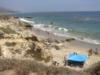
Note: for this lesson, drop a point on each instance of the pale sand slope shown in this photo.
(12, 72)
(58, 54)
(8, 72)
(69, 47)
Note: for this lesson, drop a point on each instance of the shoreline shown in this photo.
(77, 43)
(69, 44)
(63, 35)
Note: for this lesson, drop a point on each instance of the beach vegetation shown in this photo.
(24, 67)
(7, 30)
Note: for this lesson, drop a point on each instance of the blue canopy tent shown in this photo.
(76, 59)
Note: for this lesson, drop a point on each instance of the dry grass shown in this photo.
(24, 67)
(7, 30)
(94, 69)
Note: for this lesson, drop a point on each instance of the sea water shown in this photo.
(84, 26)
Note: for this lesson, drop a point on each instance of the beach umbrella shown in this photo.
(78, 57)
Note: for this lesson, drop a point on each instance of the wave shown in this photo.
(60, 31)
(88, 40)
(25, 20)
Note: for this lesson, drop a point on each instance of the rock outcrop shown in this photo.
(18, 41)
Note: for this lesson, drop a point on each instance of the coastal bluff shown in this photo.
(22, 52)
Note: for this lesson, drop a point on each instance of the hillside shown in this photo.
(22, 52)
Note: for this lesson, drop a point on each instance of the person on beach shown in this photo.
(65, 60)
(48, 33)
(96, 51)
(90, 52)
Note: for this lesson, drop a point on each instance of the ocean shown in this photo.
(83, 26)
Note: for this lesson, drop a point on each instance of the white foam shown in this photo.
(91, 41)
(24, 20)
(88, 40)
(63, 29)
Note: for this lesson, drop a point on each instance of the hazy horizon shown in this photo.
(51, 5)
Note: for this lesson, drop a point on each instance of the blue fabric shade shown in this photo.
(77, 57)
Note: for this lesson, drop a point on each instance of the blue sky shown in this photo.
(51, 5)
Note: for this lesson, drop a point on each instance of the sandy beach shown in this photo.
(67, 47)
(37, 49)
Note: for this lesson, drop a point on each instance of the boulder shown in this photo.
(69, 39)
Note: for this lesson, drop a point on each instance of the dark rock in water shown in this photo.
(28, 25)
(70, 39)
(28, 17)
(51, 23)
(24, 24)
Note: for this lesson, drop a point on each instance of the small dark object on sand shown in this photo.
(70, 39)
(55, 63)
(56, 47)
(57, 41)
(33, 38)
